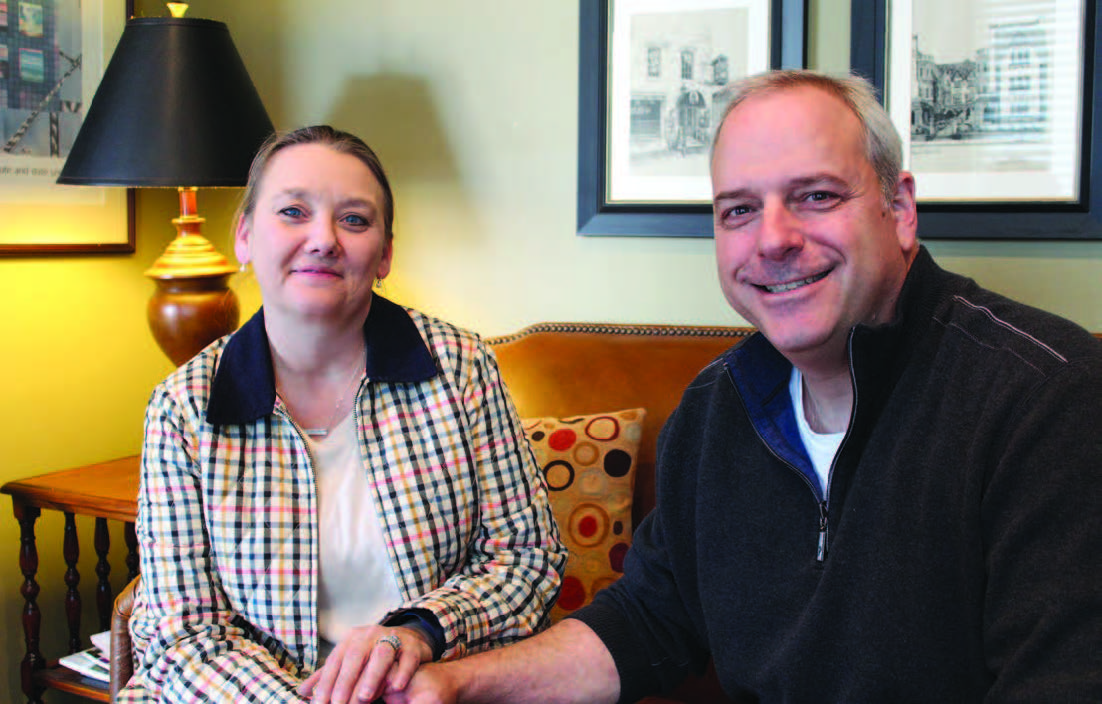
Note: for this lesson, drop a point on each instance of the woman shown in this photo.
(342, 480)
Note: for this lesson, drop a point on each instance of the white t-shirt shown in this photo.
(356, 583)
(821, 447)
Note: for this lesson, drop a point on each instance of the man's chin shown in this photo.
(797, 341)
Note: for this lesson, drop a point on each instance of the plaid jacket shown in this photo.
(227, 523)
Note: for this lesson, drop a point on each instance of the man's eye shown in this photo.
(820, 197)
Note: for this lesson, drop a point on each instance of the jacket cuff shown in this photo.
(424, 622)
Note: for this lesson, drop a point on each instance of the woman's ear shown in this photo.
(242, 234)
(386, 261)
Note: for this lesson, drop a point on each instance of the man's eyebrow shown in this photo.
(812, 179)
(795, 182)
(732, 194)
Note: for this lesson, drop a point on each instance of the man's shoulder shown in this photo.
(991, 322)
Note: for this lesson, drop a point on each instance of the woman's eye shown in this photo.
(292, 211)
(356, 220)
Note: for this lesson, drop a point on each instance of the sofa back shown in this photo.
(568, 369)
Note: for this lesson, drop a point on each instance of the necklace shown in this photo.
(357, 374)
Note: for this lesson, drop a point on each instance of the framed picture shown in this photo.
(52, 55)
(652, 78)
(996, 103)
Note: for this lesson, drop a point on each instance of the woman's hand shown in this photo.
(368, 661)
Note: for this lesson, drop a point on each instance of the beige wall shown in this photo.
(473, 108)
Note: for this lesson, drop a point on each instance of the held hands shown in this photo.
(369, 661)
(431, 684)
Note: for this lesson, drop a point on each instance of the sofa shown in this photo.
(592, 398)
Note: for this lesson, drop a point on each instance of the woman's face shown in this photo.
(316, 239)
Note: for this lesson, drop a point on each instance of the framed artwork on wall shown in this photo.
(652, 78)
(52, 55)
(997, 109)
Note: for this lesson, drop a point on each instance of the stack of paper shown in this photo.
(95, 662)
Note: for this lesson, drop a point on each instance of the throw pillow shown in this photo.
(589, 464)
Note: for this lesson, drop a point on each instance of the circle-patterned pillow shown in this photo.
(589, 465)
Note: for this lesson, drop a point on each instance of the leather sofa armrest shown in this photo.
(122, 657)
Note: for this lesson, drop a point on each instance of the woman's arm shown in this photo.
(189, 644)
(512, 572)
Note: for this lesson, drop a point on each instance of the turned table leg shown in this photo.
(104, 597)
(32, 617)
(131, 540)
(71, 552)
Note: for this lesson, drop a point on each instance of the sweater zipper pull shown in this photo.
(821, 552)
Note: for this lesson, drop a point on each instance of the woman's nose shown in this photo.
(322, 237)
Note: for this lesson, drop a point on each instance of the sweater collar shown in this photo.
(244, 390)
(875, 351)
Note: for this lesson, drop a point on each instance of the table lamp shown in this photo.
(176, 108)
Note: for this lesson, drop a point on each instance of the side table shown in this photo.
(105, 491)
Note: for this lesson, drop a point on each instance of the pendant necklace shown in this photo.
(357, 374)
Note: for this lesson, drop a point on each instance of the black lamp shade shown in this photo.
(176, 107)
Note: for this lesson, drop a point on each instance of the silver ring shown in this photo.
(393, 641)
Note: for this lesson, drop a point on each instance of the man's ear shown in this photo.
(241, 236)
(904, 208)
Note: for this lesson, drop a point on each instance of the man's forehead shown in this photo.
(807, 103)
(791, 129)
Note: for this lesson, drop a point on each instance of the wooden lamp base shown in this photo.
(193, 304)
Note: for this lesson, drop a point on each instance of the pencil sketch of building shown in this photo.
(1018, 92)
(1004, 88)
(677, 74)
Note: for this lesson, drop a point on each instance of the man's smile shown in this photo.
(792, 285)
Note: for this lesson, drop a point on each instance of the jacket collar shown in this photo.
(244, 390)
(878, 354)
(871, 346)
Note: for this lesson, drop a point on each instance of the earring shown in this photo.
(243, 268)
(379, 284)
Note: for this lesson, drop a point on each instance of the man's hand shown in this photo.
(432, 684)
(368, 661)
(566, 664)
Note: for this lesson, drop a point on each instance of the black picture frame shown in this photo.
(595, 215)
(1080, 220)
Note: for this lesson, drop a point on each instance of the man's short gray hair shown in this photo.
(883, 147)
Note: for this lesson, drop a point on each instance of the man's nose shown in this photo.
(781, 232)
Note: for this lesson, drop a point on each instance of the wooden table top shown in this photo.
(104, 490)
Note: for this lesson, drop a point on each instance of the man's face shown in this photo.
(806, 245)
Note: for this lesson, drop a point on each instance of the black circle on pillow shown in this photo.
(559, 475)
(617, 463)
(537, 436)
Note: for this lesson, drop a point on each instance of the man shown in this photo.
(890, 494)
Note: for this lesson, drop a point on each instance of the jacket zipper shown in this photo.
(823, 505)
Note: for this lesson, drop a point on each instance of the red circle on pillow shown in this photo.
(616, 556)
(561, 439)
(572, 595)
(587, 527)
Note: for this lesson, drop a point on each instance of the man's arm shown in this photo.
(565, 664)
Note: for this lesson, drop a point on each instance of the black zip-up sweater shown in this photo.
(958, 554)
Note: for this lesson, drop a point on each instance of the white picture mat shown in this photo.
(1054, 157)
(753, 44)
